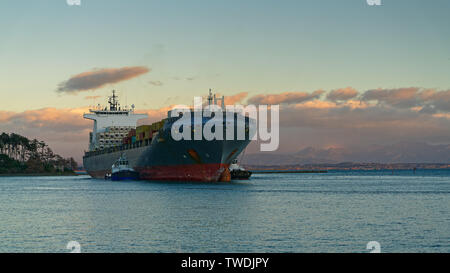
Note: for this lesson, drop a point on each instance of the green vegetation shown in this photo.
(19, 155)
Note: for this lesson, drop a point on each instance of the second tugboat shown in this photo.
(121, 170)
(237, 172)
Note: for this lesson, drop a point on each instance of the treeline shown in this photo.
(19, 154)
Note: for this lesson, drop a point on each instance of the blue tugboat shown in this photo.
(121, 170)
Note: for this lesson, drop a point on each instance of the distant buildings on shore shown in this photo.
(352, 166)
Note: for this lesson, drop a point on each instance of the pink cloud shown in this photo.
(307, 121)
(98, 78)
(285, 98)
(342, 94)
(402, 97)
(237, 98)
(92, 97)
(429, 99)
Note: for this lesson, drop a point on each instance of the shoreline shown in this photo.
(289, 171)
(36, 174)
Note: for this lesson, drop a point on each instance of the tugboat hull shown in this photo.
(125, 175)
(240, 174)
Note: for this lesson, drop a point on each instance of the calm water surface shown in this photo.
(333, 212)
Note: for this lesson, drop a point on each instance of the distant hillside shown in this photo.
(19, 155)
(404, 152)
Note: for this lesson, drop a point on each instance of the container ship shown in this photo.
(151, 150)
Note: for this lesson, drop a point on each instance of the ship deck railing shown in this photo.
(123, 147)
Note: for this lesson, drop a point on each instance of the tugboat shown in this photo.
(237, 172)
(121, 170)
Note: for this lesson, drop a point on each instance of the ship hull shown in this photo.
(194, 172)
(166, 159)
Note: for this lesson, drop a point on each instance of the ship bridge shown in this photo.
(114, 116)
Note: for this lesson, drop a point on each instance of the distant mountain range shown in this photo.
(403, 152)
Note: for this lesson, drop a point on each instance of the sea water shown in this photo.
(338, 211)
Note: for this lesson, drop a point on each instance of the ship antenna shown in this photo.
(210, 98)
(112, 101)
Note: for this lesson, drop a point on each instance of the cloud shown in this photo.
(311, 121)
(440, 100)
(336, 116)
(374, 117)
(98, 78)
(285, 98)
(429, 100)
(156, 83)
(48, 119)
(5, 116)
(63, 129)
(401, 97)
(233, 99)
(342, 94)
(92, 97)
(237, 98)
(154, 114)
(181, 78)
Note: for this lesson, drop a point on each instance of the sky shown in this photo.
(344, 72)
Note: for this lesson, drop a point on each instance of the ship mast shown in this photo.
(113, 102)
(210, 97)
(213, 100)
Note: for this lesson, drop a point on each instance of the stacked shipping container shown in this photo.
(143, 132)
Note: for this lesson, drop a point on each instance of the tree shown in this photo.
(18, 154)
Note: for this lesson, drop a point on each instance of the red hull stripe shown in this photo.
(194, 172)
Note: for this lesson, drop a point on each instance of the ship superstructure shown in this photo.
(111, 124)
